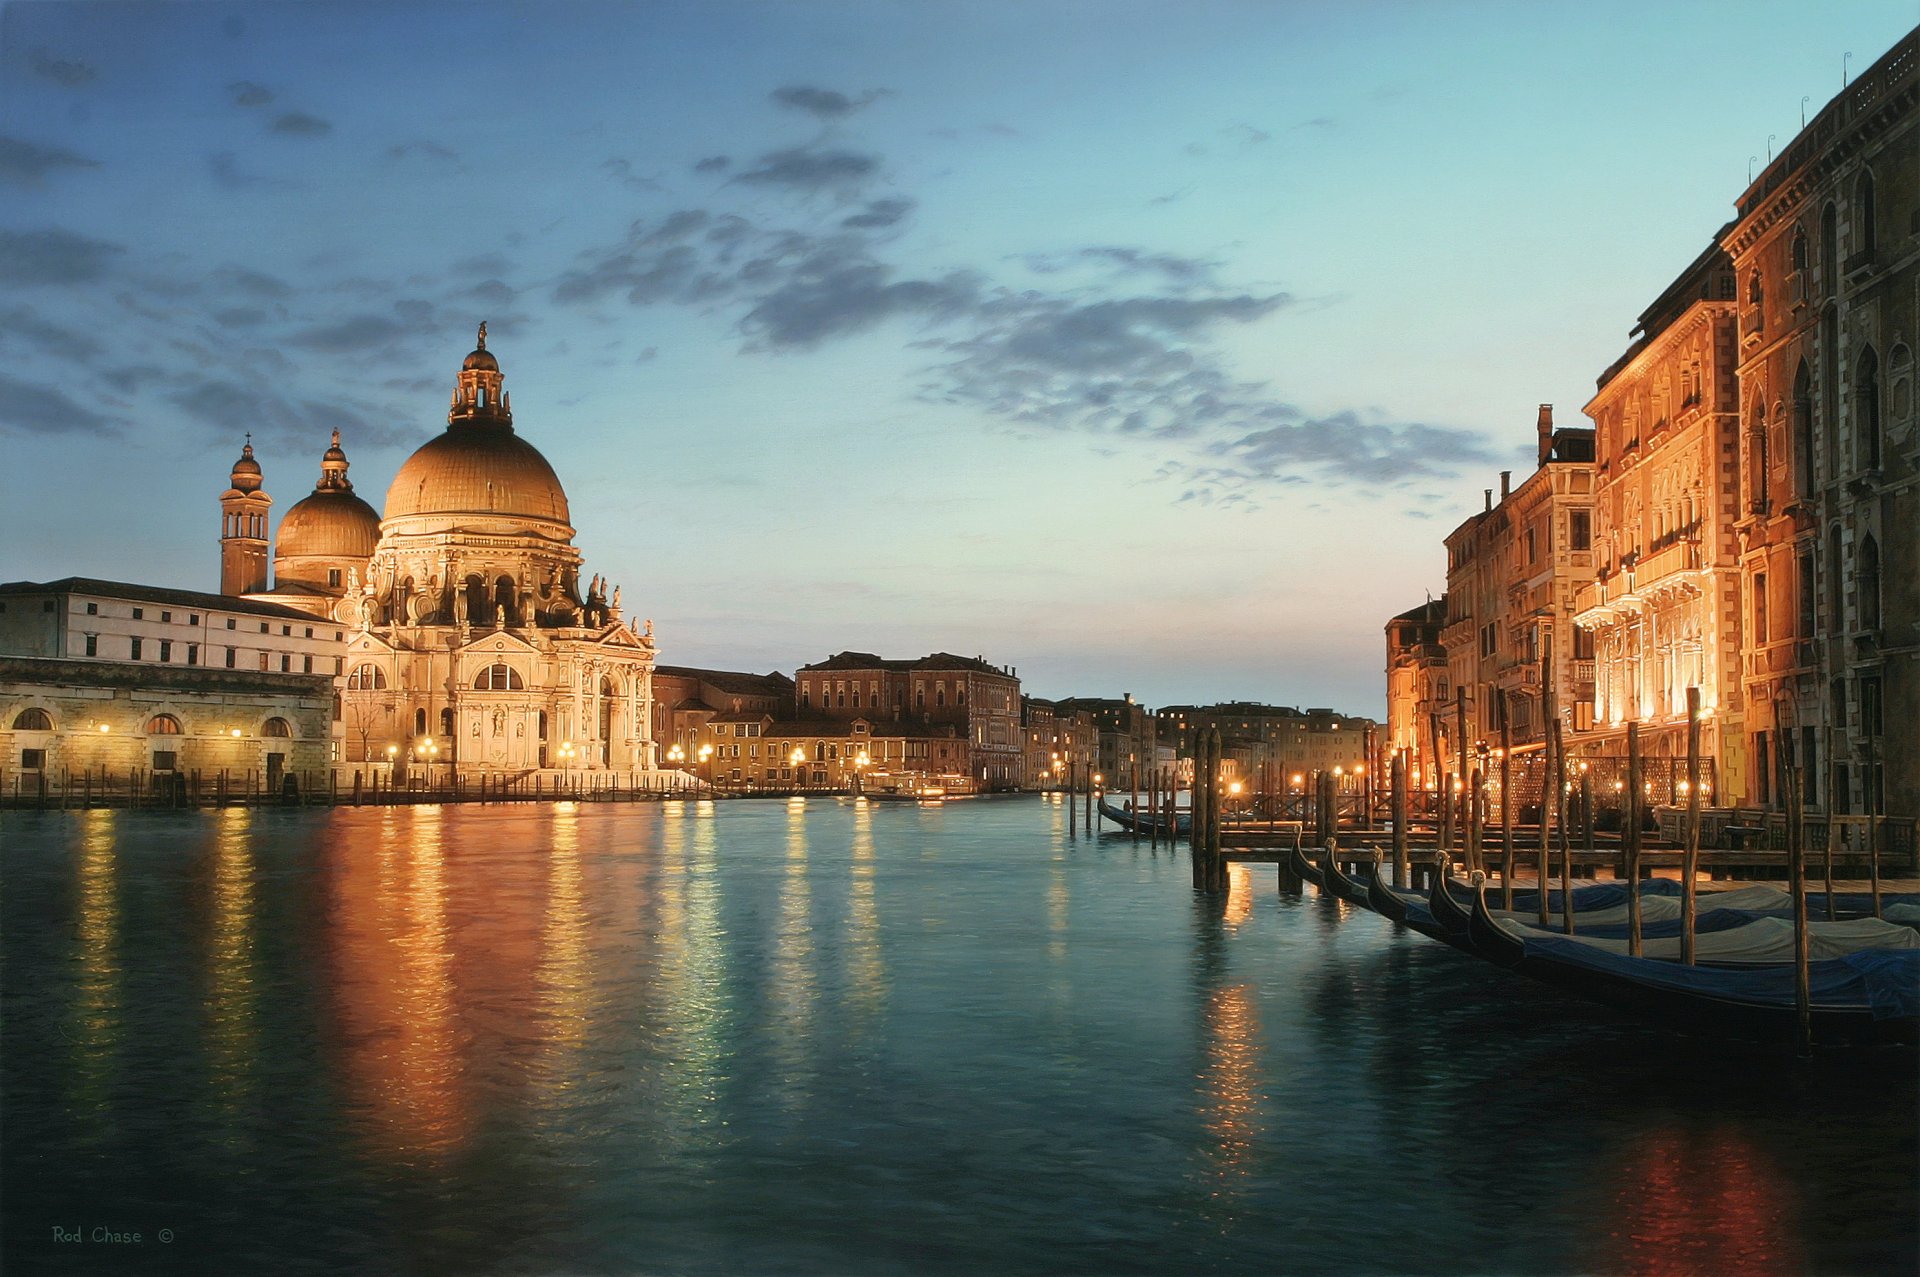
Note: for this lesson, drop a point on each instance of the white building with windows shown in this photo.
(126, 680)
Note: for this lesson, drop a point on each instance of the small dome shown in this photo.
(335, 453)
(481, 359)
(478, 470)
(328, 524)
(246, 471)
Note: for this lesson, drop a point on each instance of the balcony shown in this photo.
(1859, 266)
(1674, 567)
(1797, 288)
(1753, 325)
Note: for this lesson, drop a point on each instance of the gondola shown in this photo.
(1182, 819)
(1337, 883)
(1382, 898)
(1304, 869)
(1867, 997)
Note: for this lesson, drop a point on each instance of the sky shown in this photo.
(1148, 348)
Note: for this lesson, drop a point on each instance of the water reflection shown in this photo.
(565, 979)
(233, 992)
(394, 991)
(794, 986)
(99, 997)
(1229, 1101)
(866, 966)
(1701, 1201)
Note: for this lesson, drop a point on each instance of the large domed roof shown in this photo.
(479, 466)
(329, 523)
(475, 469)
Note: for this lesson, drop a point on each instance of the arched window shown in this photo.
(1836, 614)
(163, 725)
(1757, 461)
(33, 720)
(477, 612)
(446, 721)
(1866, 410)
(504, 599)
(1830, 249)
(499, 678)
(366, 678)
(1755, 290)
(419, 722)
(1868, 584)
(278, 728)
(1863, 229)
(1799, 249)
(1803, 431)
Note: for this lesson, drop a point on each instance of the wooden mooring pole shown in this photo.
(1400, 818)
(1630, 838)
(1690, 860)
(1796, 883)
(1506, 802)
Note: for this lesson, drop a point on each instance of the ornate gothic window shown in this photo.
(1866, 410)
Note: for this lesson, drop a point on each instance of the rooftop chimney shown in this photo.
(1506, 479)
(1489, 495)
(1545, 427)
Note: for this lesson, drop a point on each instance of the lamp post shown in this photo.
(566, 758)
(706, 764)
(433, 753)
(860, 760)
(393, 761)
(797, 759)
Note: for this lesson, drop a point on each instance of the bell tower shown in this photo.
(243, 528)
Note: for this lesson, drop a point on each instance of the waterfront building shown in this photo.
(1662, 613)
(1056, 743)
(1121, 744)
(106, 674)
(1512, 573)
(750, 749)
(1418, 695)
(981, 701)
(1270, 745)
(472, 639)
(1825, 248)
(685, 699)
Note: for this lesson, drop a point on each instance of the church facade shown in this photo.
(472, 642)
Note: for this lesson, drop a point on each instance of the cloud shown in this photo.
(879, 213)
(1374, 453)
(623, 171)
(424, 149)
(26, 164)
(53, 257)
(240, 317)
(355, 333)
(835, 292)
(61, 342)
(825, 104)
(223, 406)
(67, 74)
(493, 292)
(42, 410)
(1173, 267)
(226, 172)
(248, 94)
(252, 283)
(300, 124)
(712, 164)
(805, 169)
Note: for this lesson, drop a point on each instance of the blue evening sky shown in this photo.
(1147, 347)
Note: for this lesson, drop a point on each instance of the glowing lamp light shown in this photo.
(797, 757)
(1234, 788)
(105, 728)
(236, 732)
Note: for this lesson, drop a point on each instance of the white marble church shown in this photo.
(471, 641)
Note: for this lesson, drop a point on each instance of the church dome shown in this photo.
(328, 523)
(479, 466)
(476, 469)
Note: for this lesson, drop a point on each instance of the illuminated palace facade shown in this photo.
(471, 641)
(1756, 492)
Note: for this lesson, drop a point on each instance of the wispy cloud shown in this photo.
(53, 257)
(66, 72)
(825, 104)
(301, 124)
(246, 93)
(25, 163)
(810, 169)
(36, 409)
(424, 149)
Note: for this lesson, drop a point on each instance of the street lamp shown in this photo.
(860, 760)
(566, 756)
(797, 759)
(393, 761)
(706, 755)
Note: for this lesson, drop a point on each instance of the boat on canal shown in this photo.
(1127, 818)
(1870, 995)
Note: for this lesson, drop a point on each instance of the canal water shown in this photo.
(823, 1037)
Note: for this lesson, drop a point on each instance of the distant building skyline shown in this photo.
(1144, 355)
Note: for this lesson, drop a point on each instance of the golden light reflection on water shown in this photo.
(1690, 1201)
(1230, 1101)
(794, 989)
(565, 973)
(692, 974)
(1059, 904)
(233, 993)
(395, 991)
(1239, 895)
(98, 1003)
(867, 972)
